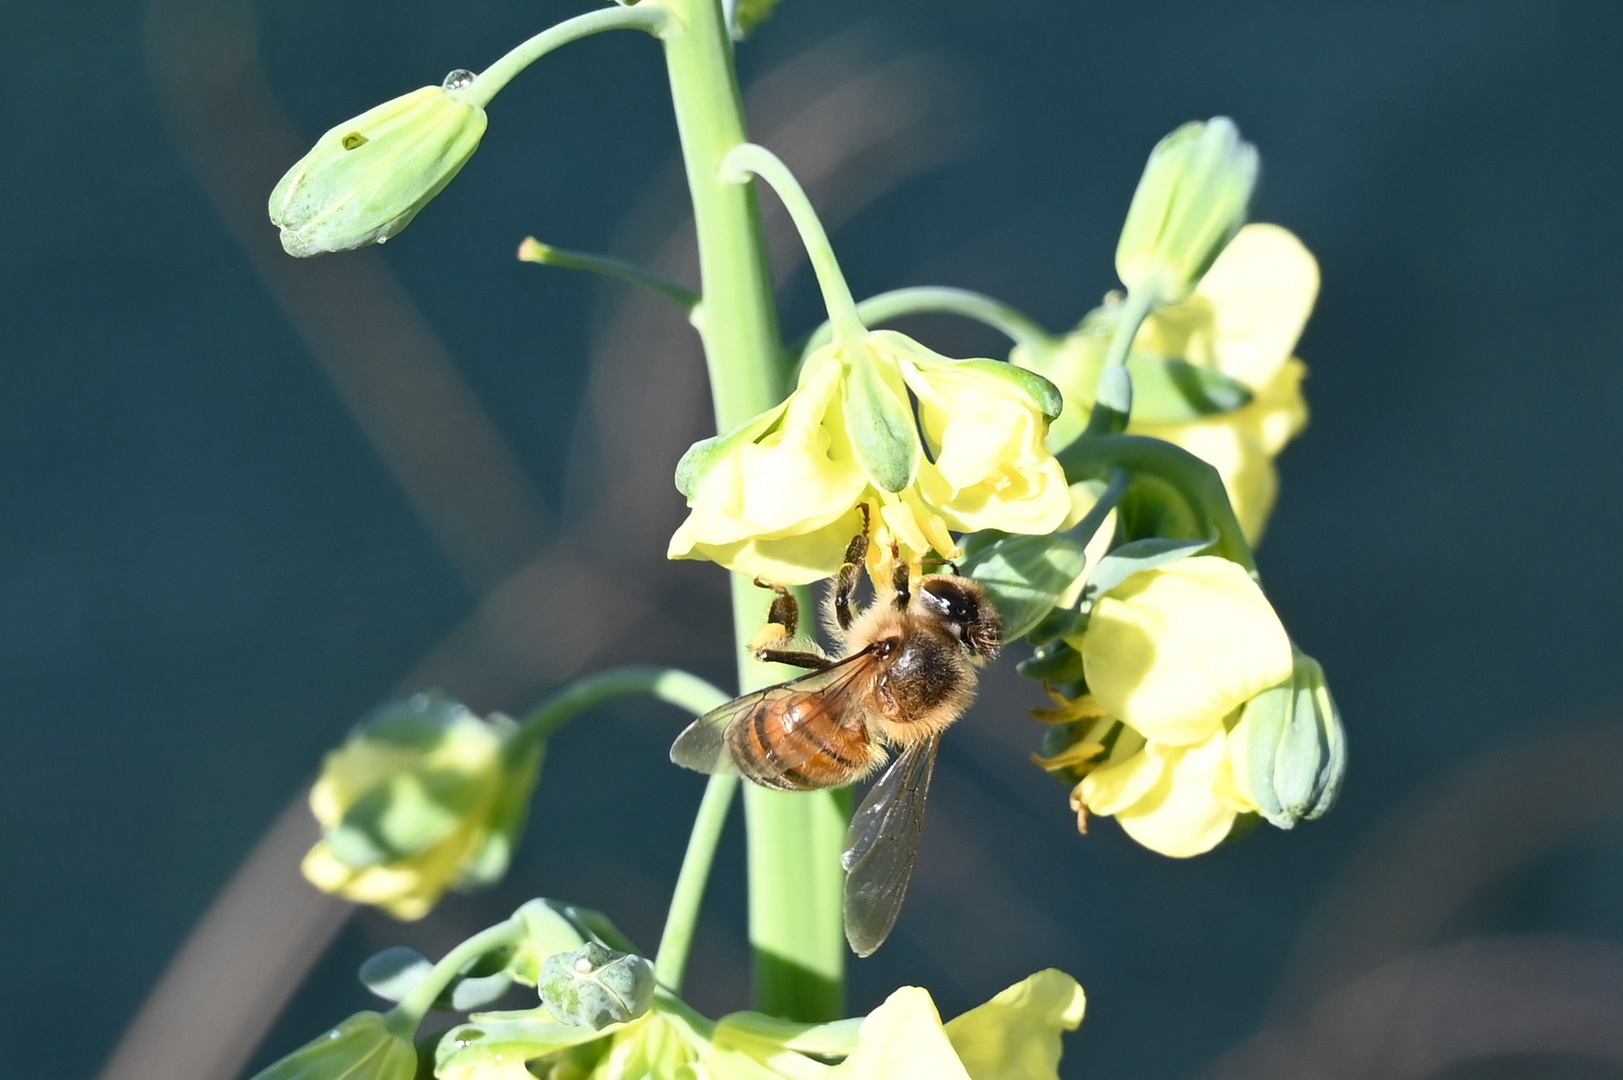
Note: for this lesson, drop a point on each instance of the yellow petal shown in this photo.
(795, 559)
(1183, 814)
(1121, 784)
(1016, 1035)
(902, 1040)
(1172, 651)
(1261, 290)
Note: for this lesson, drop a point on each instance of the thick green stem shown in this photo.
(942, 299)
(490, 81)
(670, 963)
(794, 843)
(404, 1017)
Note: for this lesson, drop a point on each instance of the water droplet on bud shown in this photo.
(458, 79)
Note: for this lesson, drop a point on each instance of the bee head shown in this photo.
(964, 608)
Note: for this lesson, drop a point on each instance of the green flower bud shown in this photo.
(1189, 204)
(361, 1048)
(368, 177)
(1288, 751)
(596, 986)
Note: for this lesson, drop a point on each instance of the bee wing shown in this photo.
(703, 745)
(882, 845)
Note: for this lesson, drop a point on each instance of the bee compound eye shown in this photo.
(952, 600)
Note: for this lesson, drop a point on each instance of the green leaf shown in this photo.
(1035, 387)
(1025, 576)
(1137, 556)
(1055, 662)
(1167, 390)
(746, 15)
(392, 973)
(879, 422)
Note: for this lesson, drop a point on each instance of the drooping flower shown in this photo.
(422, 797)
(779, 496)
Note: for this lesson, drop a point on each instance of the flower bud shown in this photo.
(1289, 752)
(361, 1048)
(596, 986)
(365, 180)
(423, 796)
(1190, 202)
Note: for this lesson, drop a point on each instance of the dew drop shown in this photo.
(333, 1034)
(584, 966)
(458, 79)
(383, 239)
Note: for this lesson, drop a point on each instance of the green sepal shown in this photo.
(506, 1037)
(692, 466)
(1033, 386)
(1137, 556)
(1053, 662)
(879, 423)
(596, 986)
(361, 1048)
(1168, 390)
(1025, 576)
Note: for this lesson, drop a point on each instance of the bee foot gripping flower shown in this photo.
(365, 179)
(423, 796)
(779, 496)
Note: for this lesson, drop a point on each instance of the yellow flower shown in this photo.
(779, 496)
(1177, 800)
(422, 797)
(365, 179)
(1243, 321)
(1172, 651)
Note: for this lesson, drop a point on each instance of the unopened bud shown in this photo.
(1189, 204)
(1288, 751)
(596, 986)
(365, 180)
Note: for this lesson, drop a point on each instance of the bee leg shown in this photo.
(900, 580)
(782, 623)
(845, 583)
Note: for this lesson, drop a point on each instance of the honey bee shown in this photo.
(906, 671)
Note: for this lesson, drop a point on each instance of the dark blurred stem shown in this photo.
(670, 964)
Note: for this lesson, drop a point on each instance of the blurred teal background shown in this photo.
(245, 499)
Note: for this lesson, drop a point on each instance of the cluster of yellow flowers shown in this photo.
(779, 497)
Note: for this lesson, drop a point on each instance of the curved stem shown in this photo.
(534, 251)
(670, 963)
(747, 159)
(1019, 327)
(1196, 480)
(1113, 401)
(674, 687)
(489, 82)
(404, 1017)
